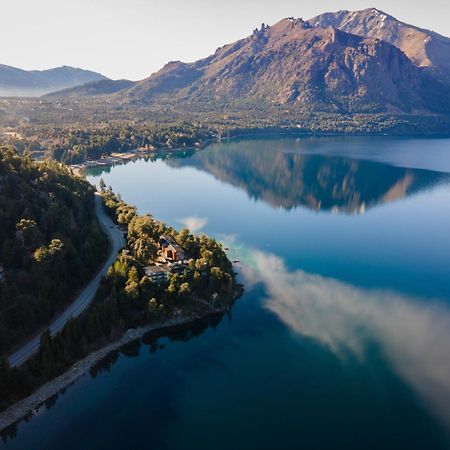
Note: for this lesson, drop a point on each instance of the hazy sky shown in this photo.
(133, 38)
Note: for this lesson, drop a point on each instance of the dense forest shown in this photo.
(209, 274)
(79, 132)
(127, 298)
(76, 146)
(50, 242)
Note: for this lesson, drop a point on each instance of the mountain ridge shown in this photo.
(294, 62)
(92, 88)
(32, 83)
(425, 48)
(345, 62)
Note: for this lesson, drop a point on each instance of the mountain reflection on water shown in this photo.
(342, 337)
(288, 179)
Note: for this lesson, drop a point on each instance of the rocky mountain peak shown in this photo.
(295, 62)
(424, 48)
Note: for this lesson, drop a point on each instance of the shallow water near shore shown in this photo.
(342, 338)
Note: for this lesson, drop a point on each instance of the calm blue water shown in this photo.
(342, 339)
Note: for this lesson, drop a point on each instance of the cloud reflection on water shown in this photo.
(412, 334)
(194, 223)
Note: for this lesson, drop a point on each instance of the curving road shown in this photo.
(117, 242)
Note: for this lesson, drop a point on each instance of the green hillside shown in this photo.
(50, 242)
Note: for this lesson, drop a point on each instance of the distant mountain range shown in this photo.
(32, 83)
(102, 87)
(343, 62)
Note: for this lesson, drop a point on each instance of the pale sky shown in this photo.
(133, 38)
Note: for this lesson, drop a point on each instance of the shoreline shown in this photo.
(136, 154)
(132, 155)
(18, 411)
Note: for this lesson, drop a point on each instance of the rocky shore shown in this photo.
(22, 408)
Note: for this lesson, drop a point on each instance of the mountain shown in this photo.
(93, 88)
(295, 63)
(32, 83)
(423, 47)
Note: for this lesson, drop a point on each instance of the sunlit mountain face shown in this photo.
(287, 178)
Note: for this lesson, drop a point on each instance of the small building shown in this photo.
(177, 267)
(158, 274)
(170, 249)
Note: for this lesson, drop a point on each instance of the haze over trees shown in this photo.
(32, 83)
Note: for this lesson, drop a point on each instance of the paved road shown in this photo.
(117, 242)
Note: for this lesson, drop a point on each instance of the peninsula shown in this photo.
(160, 278)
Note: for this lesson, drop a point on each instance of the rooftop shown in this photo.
(171, 242)
(156, 269)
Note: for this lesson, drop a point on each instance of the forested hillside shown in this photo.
(128, 298)
(50, 242)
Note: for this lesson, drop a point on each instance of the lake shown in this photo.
(342, 338)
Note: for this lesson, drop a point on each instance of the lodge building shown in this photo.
(170, 250)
